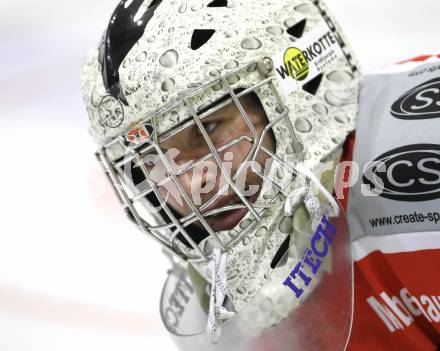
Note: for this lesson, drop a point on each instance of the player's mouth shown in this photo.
(228, 219)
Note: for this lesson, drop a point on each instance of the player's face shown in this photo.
(205, 179)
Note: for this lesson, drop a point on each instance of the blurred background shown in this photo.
(74, 273)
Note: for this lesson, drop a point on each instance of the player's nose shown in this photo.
(202, 182)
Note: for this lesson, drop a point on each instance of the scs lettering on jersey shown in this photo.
(139, 136)
(311, 55)
(421, 102)
(409, 173)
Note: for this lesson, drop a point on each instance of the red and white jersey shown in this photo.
(394, 209)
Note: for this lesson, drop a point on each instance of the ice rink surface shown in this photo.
(74, 273)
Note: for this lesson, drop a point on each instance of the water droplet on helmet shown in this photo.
(286, 225)
(234, 79)
(252, 68)
(339, 76)
(141, 57)
(231, 64)
(261, 232)
(279, 109)
(280, 173)
(208, 18)
(339, 98)
(277, 40)
(320, 109)
(168, 85)
(307, 9)
(215, 73)
(126, 63)
(241, 290)
(233, 274)
(246, 241)
(274, 30)
(197, 7)
(251, 44)
(233, 234)
(209, 246)
(290, 22)
(193, 85)
(97, 95)
(230, 33)
(217, 87)
(341, 119)
(174, 116)
(151, 39)
(335, 140)
(169, 59)
(307, 156)
(303, 125)
(290, 149)
(183, 7)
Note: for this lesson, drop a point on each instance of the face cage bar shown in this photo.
(112, 168)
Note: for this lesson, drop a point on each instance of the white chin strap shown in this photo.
(311, 200)
(217, 313)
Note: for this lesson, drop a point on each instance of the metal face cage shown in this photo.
(143, 200)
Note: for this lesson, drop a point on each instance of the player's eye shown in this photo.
(210, 126)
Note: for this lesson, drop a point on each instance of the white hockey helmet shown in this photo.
(163, 66)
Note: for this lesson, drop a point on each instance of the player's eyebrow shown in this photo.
(187, 120)
(215, 103)
(220, 101)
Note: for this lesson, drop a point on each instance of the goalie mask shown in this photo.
(212, 119)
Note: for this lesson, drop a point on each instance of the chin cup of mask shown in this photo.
(306, 303)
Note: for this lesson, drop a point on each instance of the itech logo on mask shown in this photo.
(409, 173)
(421, 102)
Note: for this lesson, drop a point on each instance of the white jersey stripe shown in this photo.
(395, 243)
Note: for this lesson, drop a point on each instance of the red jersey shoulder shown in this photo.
(397, 301)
